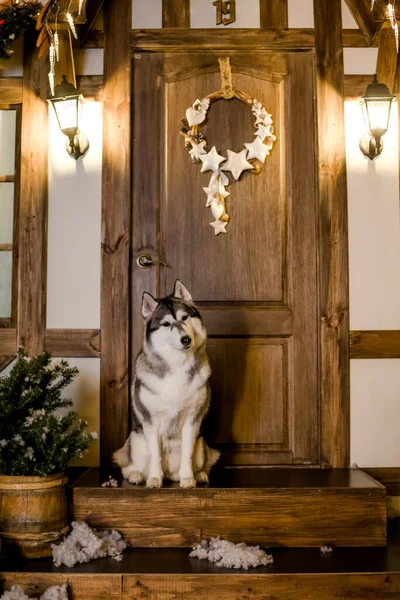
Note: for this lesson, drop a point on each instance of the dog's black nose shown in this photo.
(186, 341)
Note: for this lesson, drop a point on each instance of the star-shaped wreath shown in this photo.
(236, 162)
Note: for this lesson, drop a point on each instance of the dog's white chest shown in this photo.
(173, 394)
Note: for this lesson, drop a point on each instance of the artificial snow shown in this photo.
(230, 555)
(110, 482)
(56, 592)
(84, 544)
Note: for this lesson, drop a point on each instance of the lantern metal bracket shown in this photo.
(371, 146)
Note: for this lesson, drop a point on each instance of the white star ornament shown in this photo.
(258, 150)
(197, 150)
(236, 163)
(211, 160)
(263, 131)
(219, 226)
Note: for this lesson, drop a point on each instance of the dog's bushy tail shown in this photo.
(121, 456)
(212, 457)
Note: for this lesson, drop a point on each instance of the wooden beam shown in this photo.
(334, 275)
(33, 202)
(176, 13)
(254, 40)
(8, 342)
(386, 66)
(361, 11)
(375, 344)
(116, 198)
(91, 87)
(94, 39)
(15, 240)
(355, 86)
(83, 343)
(352, 38)
(10, 90)
(273, 13)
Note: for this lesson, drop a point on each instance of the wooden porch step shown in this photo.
(166, 574)
(271, 507)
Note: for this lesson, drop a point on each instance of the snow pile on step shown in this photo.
(110, 482)
(84, 544)
(56, 592)
(230, 555)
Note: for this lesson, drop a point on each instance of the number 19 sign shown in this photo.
(226, 11)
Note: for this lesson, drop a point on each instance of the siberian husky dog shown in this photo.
(170, 396)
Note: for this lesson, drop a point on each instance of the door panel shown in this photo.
(256, 286)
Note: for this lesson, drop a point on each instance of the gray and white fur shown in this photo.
(170, 396)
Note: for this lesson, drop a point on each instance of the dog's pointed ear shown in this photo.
(181, 292)
(149, 305)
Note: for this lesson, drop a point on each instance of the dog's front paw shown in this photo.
(136, 477)
(154, 482)
(188, 482)
(202, 477)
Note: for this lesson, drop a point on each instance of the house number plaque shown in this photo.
(226, 11)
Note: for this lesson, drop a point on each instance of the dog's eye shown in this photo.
(185, 317)
(166, 324)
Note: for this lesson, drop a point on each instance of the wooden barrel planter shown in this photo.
(33, 514)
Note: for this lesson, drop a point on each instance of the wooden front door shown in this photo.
(256, 286)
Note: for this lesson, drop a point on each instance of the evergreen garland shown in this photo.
(14, 20)
(35, 438)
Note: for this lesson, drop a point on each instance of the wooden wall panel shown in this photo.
(33, 203)
(116, 198)
(176, 13)
(273, 13)
(334, 284)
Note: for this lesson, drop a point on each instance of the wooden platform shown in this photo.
(271, 507)
(169, 574)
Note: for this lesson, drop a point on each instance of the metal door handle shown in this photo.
(144, 261)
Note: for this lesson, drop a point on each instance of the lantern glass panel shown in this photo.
(378, 116)
(67, 114)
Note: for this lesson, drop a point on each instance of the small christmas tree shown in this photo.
(35, 437)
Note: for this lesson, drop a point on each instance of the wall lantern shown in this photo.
(67, 104)
(376, 104)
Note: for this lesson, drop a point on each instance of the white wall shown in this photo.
(74, 244)
(374, 250)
